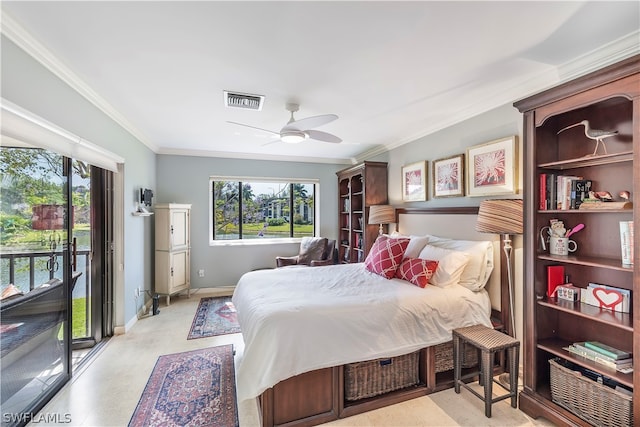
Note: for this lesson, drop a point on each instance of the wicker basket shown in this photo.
(598, 404)
(374, 377)
(444, 357)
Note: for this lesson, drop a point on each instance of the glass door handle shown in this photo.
(74, 262)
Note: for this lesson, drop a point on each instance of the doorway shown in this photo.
(92, 256)
(55, 270)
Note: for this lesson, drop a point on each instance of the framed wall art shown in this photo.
(414, 182)
(448, 176)
(492, 167)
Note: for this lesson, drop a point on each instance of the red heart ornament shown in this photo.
(607, 298)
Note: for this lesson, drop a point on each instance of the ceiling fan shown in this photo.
(296, 131)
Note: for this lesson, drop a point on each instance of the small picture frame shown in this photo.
(492, 167)
(414, 182)
(448, 176)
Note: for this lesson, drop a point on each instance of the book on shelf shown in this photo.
(564, 197)
(626, 242)
(622, 365)
(551, 191)
(607, 350)
(579, 191)
(562, 192)
(547, 191)
(555, 278)
(559, 192)
(589, 353)
(542, 195)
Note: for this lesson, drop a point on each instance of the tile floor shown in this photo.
(106, 389)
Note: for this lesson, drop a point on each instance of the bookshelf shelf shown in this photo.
(557, 347)
(607, 159)
(599, 262)
(585, 211)
(608, 317)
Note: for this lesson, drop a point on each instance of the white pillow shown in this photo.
(450, 264)
(416, 244)
(476, 273)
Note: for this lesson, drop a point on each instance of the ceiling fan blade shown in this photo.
(323, 136)
(253, 127)
(312, 122)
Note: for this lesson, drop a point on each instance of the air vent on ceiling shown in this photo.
(243, 100)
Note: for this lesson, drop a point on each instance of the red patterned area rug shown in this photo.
(194, 388)
(214, 316)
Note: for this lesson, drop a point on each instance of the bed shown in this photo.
(306, 329)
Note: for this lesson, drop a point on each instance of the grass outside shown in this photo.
(79, 318)
(283, 229)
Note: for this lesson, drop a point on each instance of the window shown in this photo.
(249, 208)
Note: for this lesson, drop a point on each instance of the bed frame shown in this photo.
(317, 397)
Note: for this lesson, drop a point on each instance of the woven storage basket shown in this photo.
(598, 404)
(374, 377)
(444, 356)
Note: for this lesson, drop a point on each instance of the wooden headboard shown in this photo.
(459, 223)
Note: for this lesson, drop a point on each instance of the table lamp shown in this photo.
(382, 214)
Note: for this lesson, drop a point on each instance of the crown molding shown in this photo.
(609, 54)
(14, 32)
(254, 156)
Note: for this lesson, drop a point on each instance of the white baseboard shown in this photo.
(121, 330)
(214, 291)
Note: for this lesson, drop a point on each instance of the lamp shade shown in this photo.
(501, 216)
(382, 214)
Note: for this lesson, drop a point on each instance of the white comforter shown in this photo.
(298, 319)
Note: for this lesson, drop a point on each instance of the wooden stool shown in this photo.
(488, 341)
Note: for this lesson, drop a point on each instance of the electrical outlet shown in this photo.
(201, 273)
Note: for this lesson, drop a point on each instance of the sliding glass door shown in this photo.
(91, 256)
(36, 218)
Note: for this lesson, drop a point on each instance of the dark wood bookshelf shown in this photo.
(359, 187)
(610, 100)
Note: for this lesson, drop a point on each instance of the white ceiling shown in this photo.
(392, 71)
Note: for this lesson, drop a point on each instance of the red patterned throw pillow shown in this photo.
(416, 270)
(386, 255)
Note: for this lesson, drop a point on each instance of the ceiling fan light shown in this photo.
(293, 137)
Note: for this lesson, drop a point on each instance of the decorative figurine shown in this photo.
(604, 196)
(595, 134)
(604, 200)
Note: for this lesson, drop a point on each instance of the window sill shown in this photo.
(254, 242)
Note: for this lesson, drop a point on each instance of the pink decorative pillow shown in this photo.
(386, 255)
(417, 271)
